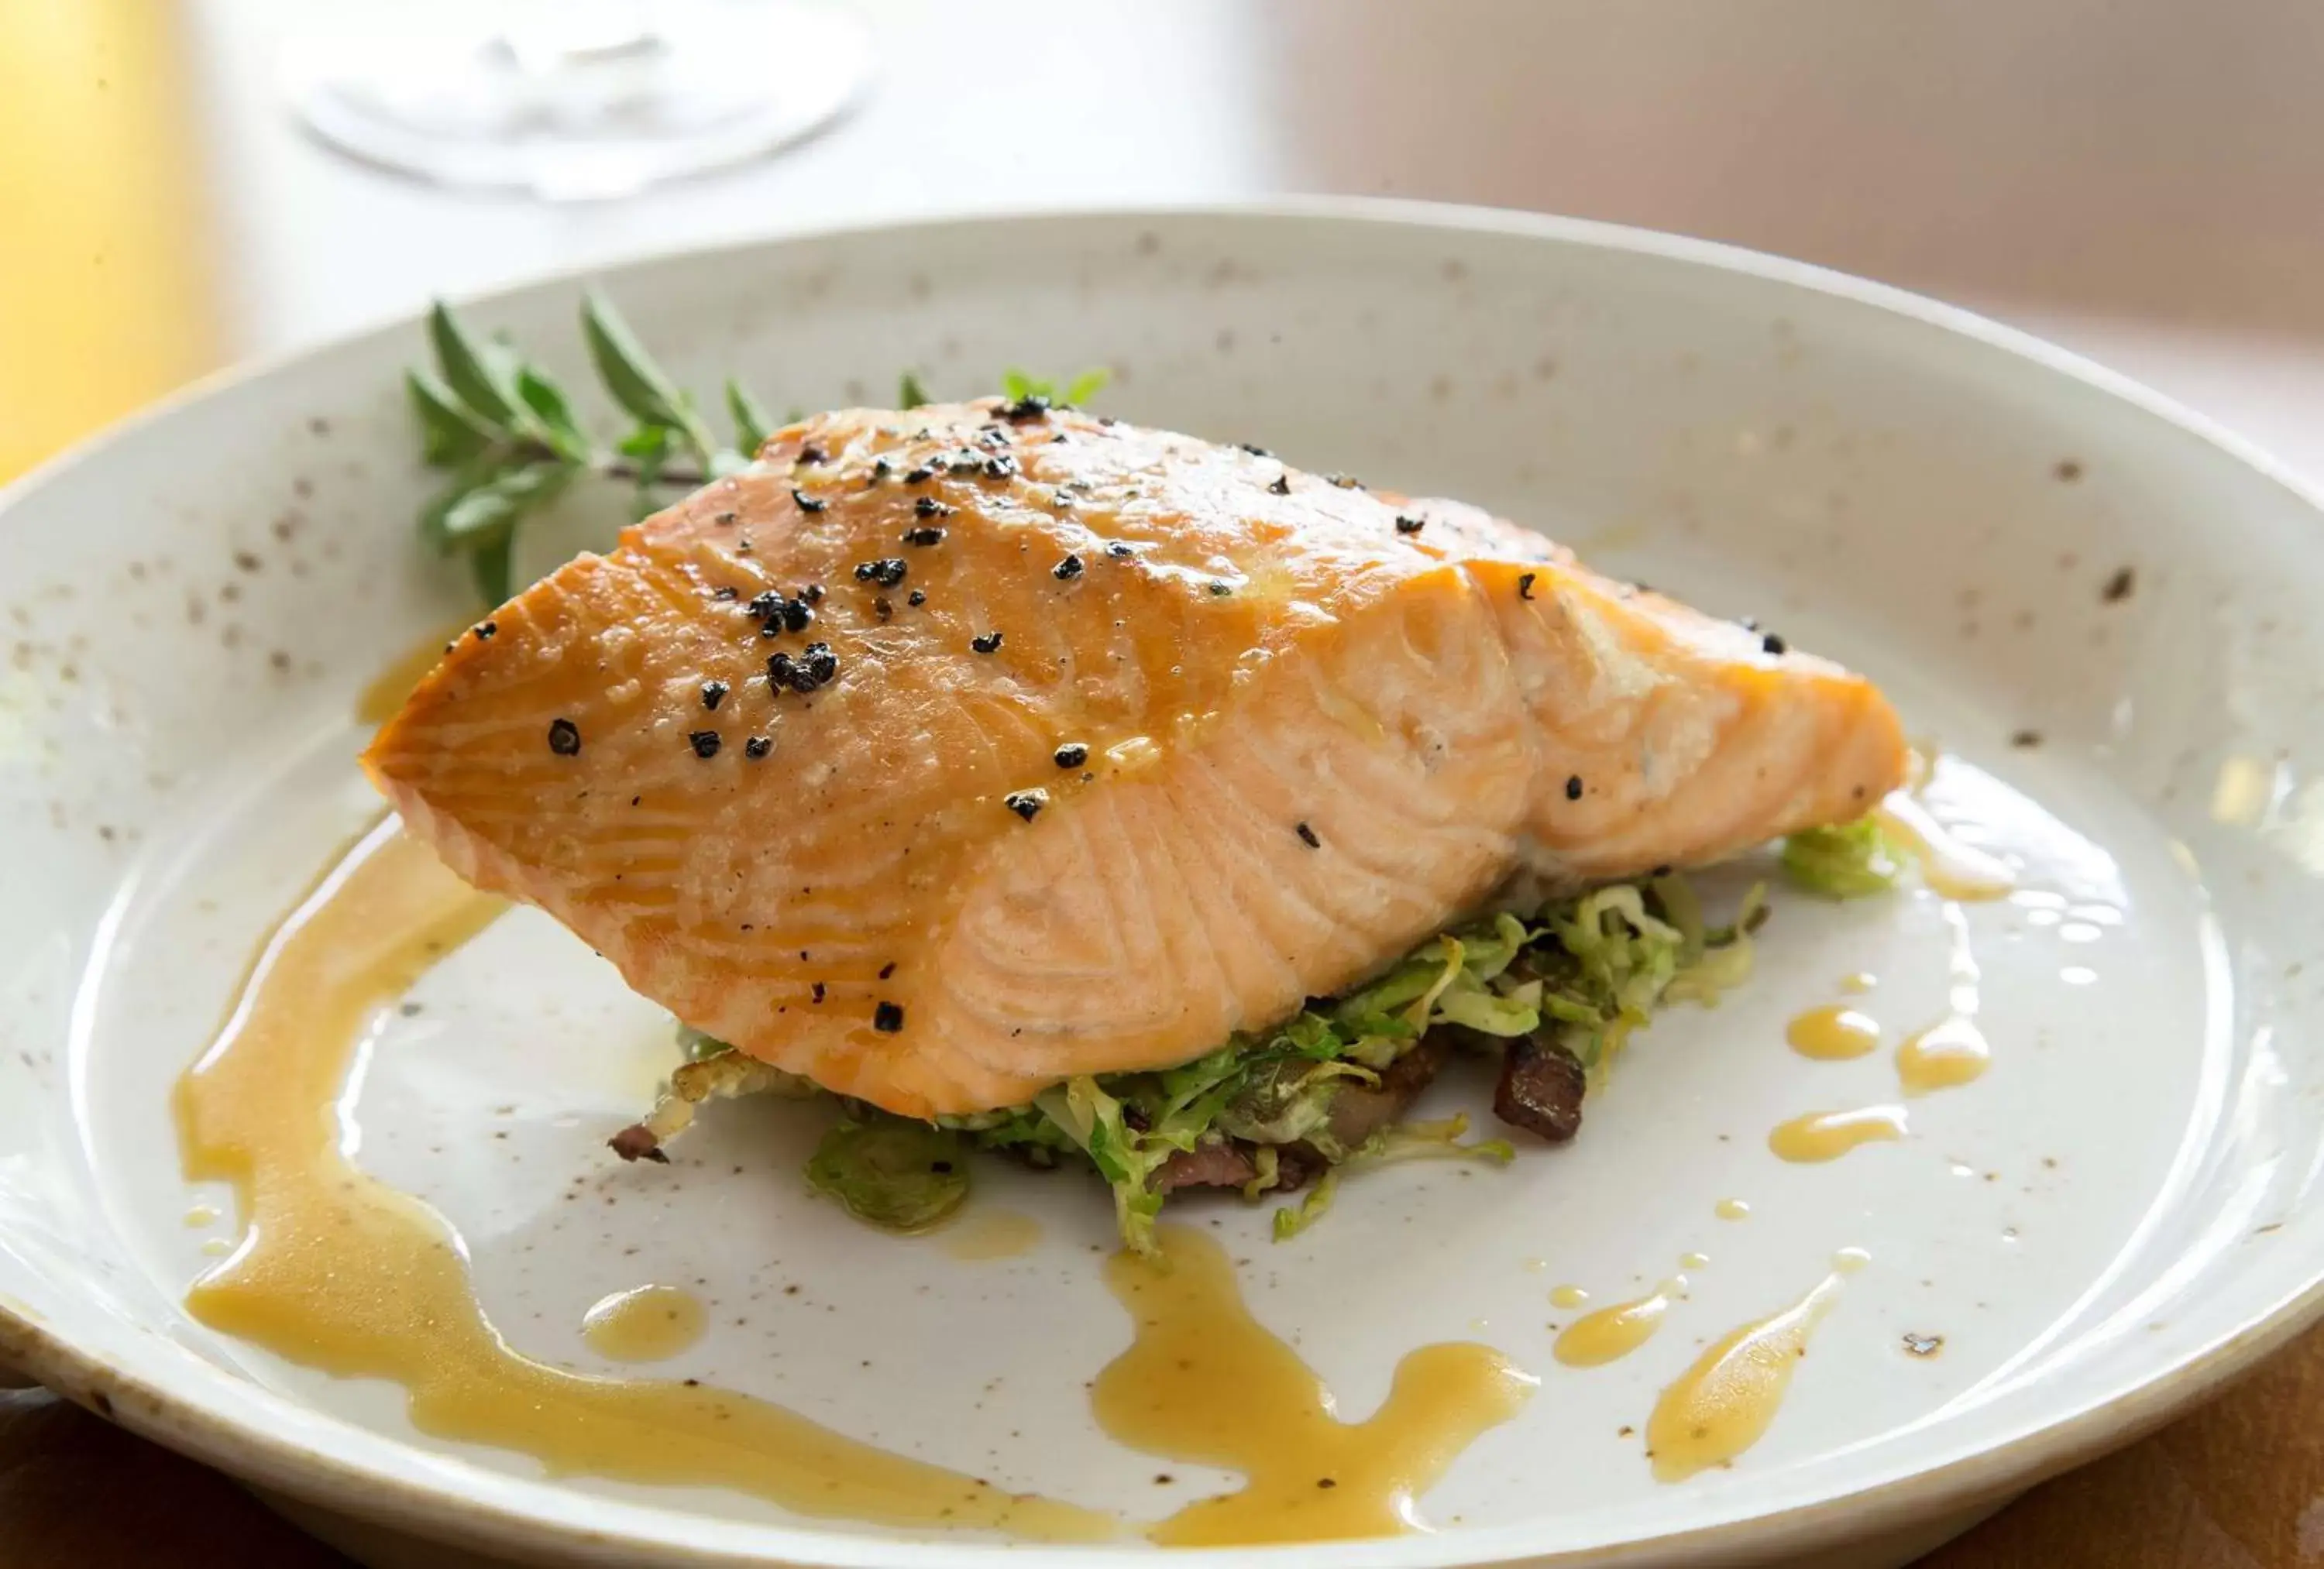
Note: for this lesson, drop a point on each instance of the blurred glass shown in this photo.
(106, 276)
(574, 100)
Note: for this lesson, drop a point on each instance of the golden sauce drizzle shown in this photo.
(992, 1234)
(643, 1323)
(1952, 869)
(1732, 1209)
(1862, 982)
(1822, 1136)
(1567, 1295)
(340, 1272)
(1953, 1052)
(1204, 1382)
(379, 701)
(1723, 1404)
(1596, 1338)
(1833, 1034)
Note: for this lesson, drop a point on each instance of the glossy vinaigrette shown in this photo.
(339, 1272)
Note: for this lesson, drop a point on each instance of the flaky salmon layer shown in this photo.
(947, 754)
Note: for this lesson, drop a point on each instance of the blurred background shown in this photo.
(186, 186)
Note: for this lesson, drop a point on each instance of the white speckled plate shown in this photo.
(2101, 609)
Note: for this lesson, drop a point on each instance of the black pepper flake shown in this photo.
(726, 591)
(812, 453)
(1220, 588)
(1001, 467)
(1032, 406)
(986, 643)
(1405, 524)
(1308, 837)
(765, 603)
(1108, 420)
(916, 598)
(882, 608)
(888, 1018)
(1573, 786)
(920, 475)
(887, 572)
(1280, 484)
(485, 631)
(812, 594)
(1345, 481)
(757, 747)
(705, 743)
(798, 615)
(1524, 585)
(1061, 435)
(806, 503)
(724, 519)
(782, 672)
(564, 737)
(2118, 587)
(881, 468)
(929, 507)
(1068, 569)
(1121, 549)
(1026, 804)
(818, 665)
(816, 991)
(1772, 644)
(714, 693)
(1254, 449)
(1072, 755)
(924, 537)
(887, 969)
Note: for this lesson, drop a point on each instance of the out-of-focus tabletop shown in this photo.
(2135, 179)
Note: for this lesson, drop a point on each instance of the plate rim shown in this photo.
(223, 1420)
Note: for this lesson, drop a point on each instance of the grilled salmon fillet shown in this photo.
(946, 753)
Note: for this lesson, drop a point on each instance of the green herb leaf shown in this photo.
(448, 433)
(1015, 386)
(637, 384)
(751, 421)
(467, 516)
(489, 566)
(547, 402)
(481, 380)
(893, 1173)
(1087, 385)
(909, 393)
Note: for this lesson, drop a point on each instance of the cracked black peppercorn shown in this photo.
(812, 453)
(1121, 549)
(757, 747)
(1280, 484)
(1254, 449)
(1027, 803)
(1001, 467)
(1524, 585)
(1072, 755)
(888, 1018)
(1573, 787)
(564, 737)
(705, 743)
(920, 475)
(816, 991)
(806, 503)
(916, 598)
(1032, 406)
(1771, 643)
(714, 693)
(929, 507)
(1410, 524)
(1071, 567)
(986, 643)
(887, 572)
(1308, 837)
(924, 537)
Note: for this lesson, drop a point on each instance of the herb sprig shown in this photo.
(508, 435)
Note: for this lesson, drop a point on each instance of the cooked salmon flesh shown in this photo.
(946, 753)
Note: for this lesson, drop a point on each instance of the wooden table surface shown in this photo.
(214, 237)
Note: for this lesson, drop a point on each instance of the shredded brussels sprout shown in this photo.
(1845, 862)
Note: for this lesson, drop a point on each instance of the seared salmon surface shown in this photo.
(945, 754)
